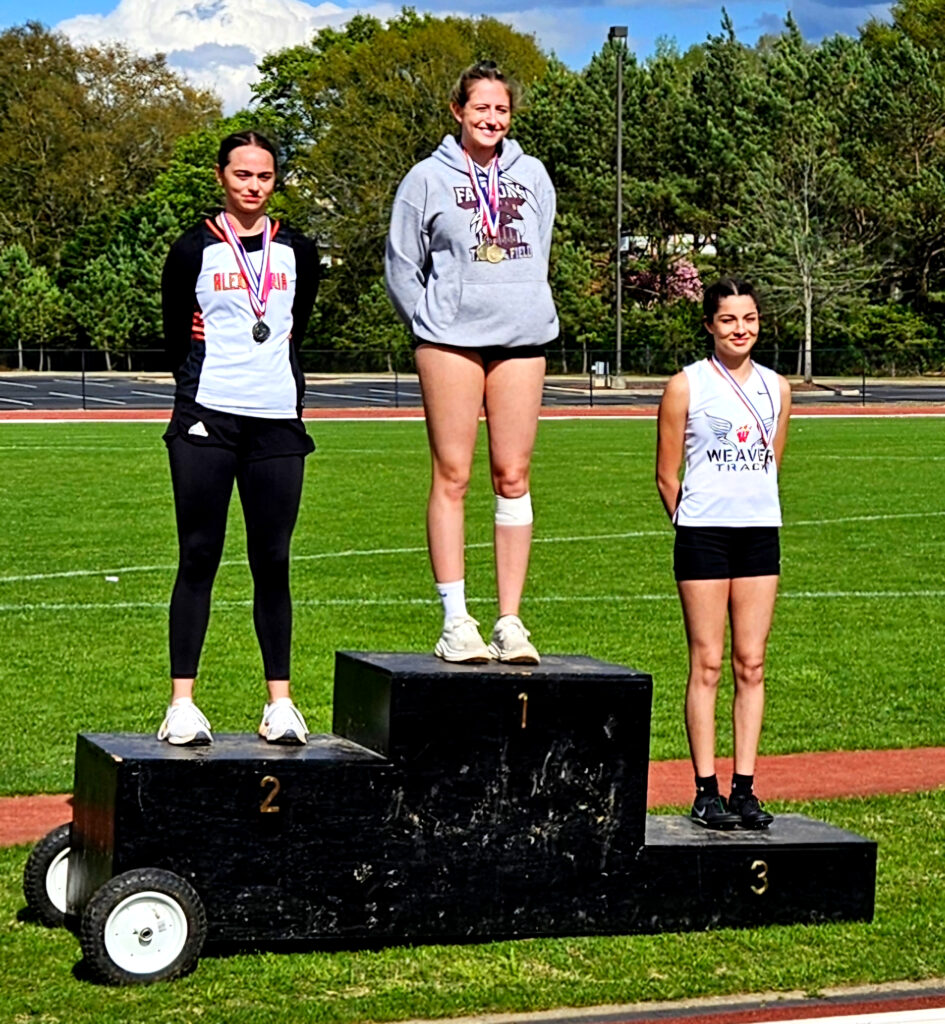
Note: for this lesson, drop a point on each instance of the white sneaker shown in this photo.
(460, 641)
(185, 724)
(510, 642)
(282, 722)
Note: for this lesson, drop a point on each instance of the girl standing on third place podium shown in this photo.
(238, 290)
(467, 271)
(728, 418)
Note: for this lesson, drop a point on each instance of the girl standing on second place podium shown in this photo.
(728, 417)
(467, 271)
(238, 290)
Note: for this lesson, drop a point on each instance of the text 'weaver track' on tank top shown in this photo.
(731, 476)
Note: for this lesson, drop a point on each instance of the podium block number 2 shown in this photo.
(267, 806)
(759, 870)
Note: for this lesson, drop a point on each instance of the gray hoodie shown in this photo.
(438, 287)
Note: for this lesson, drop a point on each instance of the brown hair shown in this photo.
(483, 70)
(248, 138)
(722, 289)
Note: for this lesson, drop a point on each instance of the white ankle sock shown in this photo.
(453, 596)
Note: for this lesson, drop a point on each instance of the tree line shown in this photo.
(816, 170)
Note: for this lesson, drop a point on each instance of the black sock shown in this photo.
(708, 786)
(741, 784)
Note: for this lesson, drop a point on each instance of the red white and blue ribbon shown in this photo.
(487, 198)
(258, 285)
(765, 433)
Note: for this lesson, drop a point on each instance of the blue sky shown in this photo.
(576, 30)
(217, 43)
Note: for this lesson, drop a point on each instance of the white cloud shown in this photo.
(819, 18)
(215, 43)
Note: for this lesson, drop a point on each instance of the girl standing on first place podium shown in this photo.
(237, 291)
(467, 271)
(727, 418)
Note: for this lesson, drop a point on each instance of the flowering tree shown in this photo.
(678, 281)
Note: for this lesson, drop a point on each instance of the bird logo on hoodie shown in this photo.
(512, 196)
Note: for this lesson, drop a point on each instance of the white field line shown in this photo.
(16, 401)
(87, 398)
(612, 413)
(880, 458)
(421, 549)
(320, 556)
(90, 418)
(17, 384)
(345, 398)
(565, 390)
(154, 394)
(370, 602)
(62, 449)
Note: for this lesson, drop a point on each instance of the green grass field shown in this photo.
(855, 659)
(855, 662)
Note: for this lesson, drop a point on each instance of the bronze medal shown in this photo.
(261, 331)
(495, 253)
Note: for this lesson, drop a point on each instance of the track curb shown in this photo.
(799, 410)
(738, 1009)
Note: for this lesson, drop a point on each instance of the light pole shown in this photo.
(616, 34)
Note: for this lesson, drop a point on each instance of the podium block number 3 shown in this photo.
(759, 869)
(267, 806)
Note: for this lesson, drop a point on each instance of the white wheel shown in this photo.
(142, 926)
(145, 932)
(57, 874)
(45, 876)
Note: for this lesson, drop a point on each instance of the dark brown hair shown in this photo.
(483, 70)
(722, 290)
(250, 138)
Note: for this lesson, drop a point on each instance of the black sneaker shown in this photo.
(711, 812)
(749, 810)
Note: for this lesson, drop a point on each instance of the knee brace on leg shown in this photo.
(513, 511)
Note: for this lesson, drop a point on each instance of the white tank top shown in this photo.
(731, 476)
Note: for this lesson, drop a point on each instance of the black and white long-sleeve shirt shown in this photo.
(208, 321)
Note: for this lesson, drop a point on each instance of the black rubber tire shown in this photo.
(159, 893)
(45, 855)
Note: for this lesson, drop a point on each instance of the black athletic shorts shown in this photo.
(250, 437)
(491, 353)
(726, 552)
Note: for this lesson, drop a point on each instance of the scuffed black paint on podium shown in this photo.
(450, 803)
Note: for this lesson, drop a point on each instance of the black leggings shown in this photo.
(270, 491)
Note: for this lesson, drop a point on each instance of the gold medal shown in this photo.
(495, 253)
(482, 251)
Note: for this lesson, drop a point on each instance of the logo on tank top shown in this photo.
(737, 456)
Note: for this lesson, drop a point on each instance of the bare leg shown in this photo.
(452, 383)
(513, 401)
(705, 608)
(182, 687)
(752, 609)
